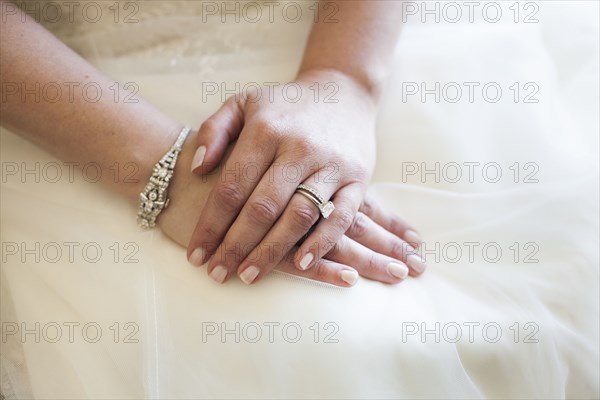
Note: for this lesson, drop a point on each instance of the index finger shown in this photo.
(241, 174)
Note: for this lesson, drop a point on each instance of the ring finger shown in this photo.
(297, 219)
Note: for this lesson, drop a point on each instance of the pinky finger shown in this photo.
(325, 271)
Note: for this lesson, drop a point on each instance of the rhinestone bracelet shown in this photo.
(154, 197)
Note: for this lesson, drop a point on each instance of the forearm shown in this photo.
(359, 43)
(76, 125)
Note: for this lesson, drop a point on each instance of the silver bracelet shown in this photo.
(154, 197)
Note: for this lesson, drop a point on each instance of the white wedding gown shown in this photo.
(137, 321)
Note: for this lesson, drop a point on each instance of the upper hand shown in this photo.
(252, 216)
(372, 246)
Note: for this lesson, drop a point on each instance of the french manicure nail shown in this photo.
(306, 260)
(198, 157)
(249, 274)
(412, 237)
(197, 256)
(416, 263)
(399, 270)
(350, 277)
(218, 274)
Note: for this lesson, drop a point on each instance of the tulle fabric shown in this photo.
(540, 307)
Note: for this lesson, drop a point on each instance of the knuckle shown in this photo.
(343, 218)
(207, 237)
(398, 250)
(354, 173)
(209, 232)
(265, 128)
(368, 205)
(358, 228)
(372, 266)
(327, 243)
(208, 126)
(330, 247)
(263, 210)
(300, 146)
(359, 170)
(304, 147)
(233, 98)
(265, 134)
(229, 195)
(362, 173)
(396, 225)
(321, 271)
(303, 215)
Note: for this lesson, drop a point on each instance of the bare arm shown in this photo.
(75, 127)
(358, 41)
(87, 128)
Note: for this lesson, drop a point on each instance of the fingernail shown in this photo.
(399, 270)
(249, 274)
(412, 237)
(197, 256)
(218, 274)
(198, 157)
(416, 263)
(350, 277)
(306, 260)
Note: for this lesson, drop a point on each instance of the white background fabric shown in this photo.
(172, 304)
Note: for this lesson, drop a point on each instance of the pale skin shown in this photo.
(323, 140)
(108, 132)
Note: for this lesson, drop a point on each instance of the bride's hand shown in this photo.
(373, 251)
(252, 215)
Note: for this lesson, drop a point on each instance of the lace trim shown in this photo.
(174, 29)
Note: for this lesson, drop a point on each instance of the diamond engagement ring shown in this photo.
(326, 208)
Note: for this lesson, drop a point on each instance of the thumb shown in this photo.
(215, 134)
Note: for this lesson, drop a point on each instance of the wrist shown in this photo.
(146, 154)
(360, 84)
(188, 193)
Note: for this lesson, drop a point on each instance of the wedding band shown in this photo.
(325, 208)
